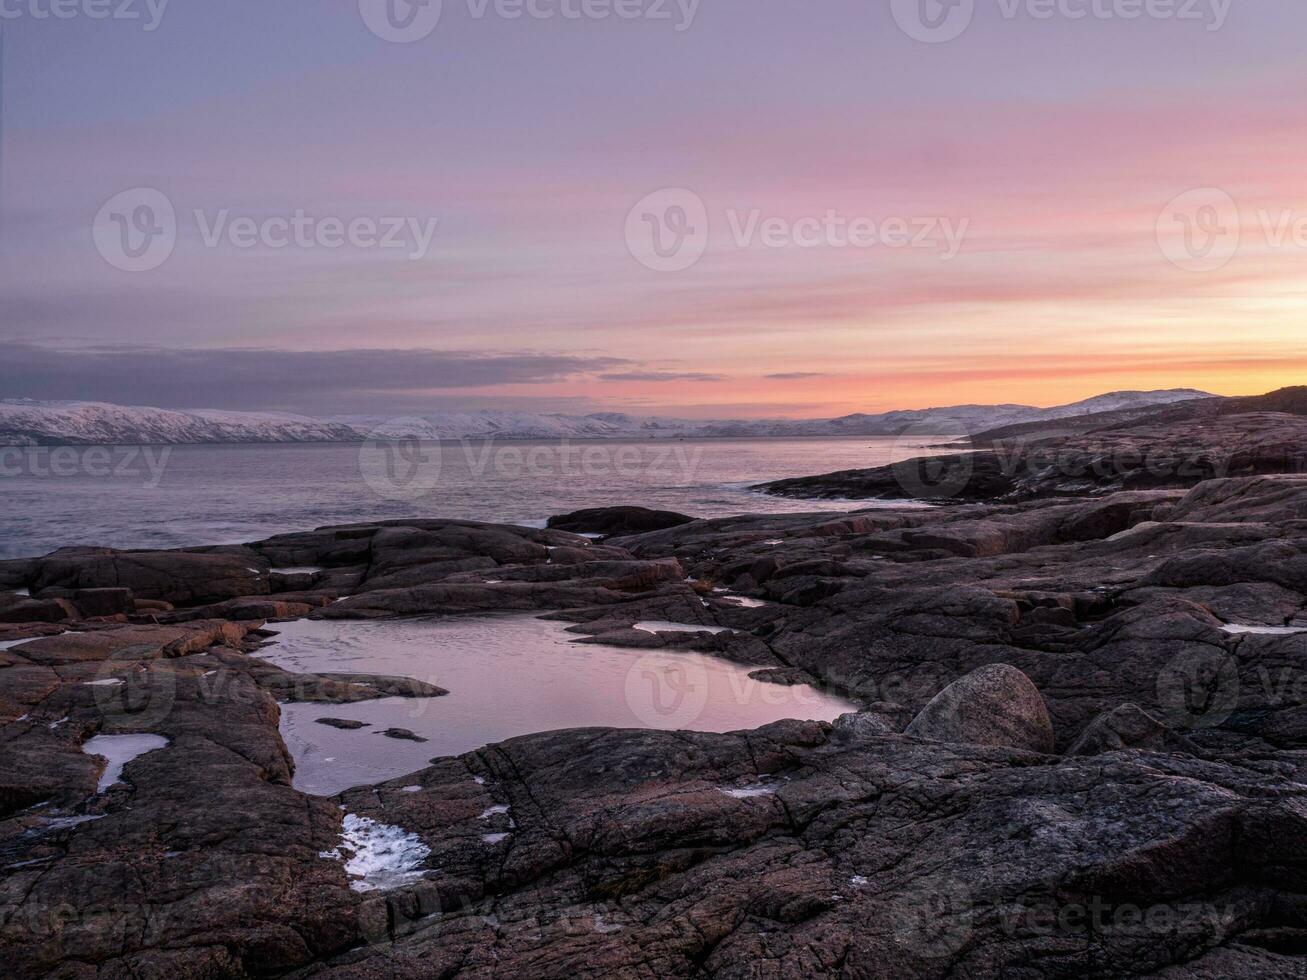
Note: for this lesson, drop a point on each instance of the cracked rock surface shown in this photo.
(1080, 753)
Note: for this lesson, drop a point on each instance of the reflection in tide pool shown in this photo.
(507, 676)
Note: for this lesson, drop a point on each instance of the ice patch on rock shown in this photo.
(298, 569)
(1131, 531)
(747, 792)
(410, 789)
(494, 838)
(745, 601)
(378, 856)
(1264, 630)
(491, 811)
(63, 823)
(118, 750)
(664, 626)
(107, 682)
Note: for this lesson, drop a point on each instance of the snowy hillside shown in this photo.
(25, 423)
(90, 423)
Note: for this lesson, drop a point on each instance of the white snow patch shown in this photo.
(1130, 531)
(56, 724)
(380, 856)
(494, 838)
(297, 569)
(747, 792)
(663, 626)
(118, 750)
(6, 644)
(107, 682)
(479, 780)
(25, 593)
(745, 601)
(28, 864)
(491, 811)
(410, 789)
(63, 823)
(858, 881)
(1264, 630)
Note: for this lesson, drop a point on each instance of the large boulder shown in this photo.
(993, 705)
(617, 520)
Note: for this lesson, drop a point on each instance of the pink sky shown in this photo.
(1055, 146)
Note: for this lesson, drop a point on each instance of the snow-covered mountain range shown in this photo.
(30, 423)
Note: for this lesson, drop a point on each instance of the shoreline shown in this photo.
(1067, 689)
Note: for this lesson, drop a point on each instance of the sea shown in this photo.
(181, 496)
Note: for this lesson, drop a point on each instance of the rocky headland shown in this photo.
(1080, 749)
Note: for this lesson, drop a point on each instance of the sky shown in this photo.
(699, 208)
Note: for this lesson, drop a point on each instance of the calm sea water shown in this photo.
(165, 497)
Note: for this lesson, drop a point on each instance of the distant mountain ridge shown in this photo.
(30, 423)
(1287, 401)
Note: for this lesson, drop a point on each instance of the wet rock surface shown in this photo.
(1149, 823)
(617, 520)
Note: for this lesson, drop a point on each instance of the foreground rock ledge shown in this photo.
(1159, 630)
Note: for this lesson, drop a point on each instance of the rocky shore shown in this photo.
(1080, 749)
